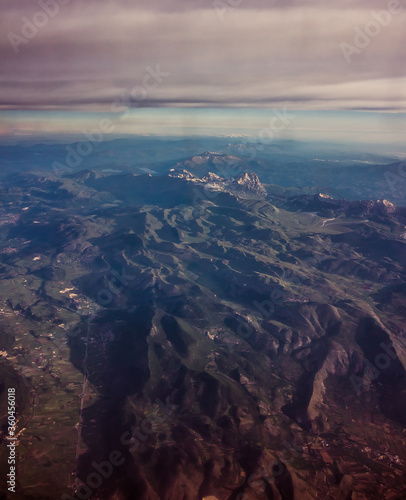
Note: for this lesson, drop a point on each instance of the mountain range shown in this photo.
(203, 333)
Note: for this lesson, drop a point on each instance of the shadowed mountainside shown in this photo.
(234, 342)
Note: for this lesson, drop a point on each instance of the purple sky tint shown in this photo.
(259, 53)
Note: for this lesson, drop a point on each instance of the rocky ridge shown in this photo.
(245, 185)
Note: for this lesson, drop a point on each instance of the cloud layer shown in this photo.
(237, 53)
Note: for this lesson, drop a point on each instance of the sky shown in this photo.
(191, 66)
